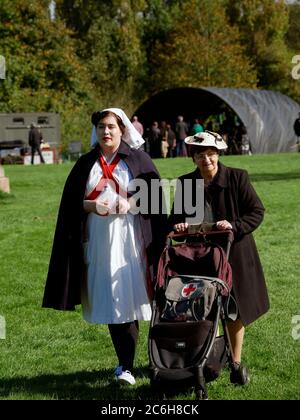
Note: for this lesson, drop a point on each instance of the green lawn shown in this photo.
(49, 354)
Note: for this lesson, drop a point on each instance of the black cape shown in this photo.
(66, 268)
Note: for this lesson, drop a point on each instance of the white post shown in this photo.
(4, 181)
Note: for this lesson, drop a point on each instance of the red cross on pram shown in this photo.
(188, 290)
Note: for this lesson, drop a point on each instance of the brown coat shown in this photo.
(234, 199)
(66, 266)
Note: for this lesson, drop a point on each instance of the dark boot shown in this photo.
(239, 374)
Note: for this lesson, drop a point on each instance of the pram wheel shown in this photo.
(201, 395)
(157, 391)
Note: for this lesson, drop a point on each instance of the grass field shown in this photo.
(50, 354)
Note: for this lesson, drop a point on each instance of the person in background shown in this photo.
(139, 128)
(138, 125)
(164, 138)
(245, 145)
(104, 254)
(197, 127)
(230, 202)
(154, 139)
(209, 126)
(171, 139)
(34, 139)
(297, 131)
(181, 130)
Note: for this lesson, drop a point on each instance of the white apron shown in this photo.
(114, 291)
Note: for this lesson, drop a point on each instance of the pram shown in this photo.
(192, 297)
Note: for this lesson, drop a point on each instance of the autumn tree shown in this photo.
(43, 71)
(201, 49)
(263, 25)
(99, 53)
(293, 33)
(108, 40)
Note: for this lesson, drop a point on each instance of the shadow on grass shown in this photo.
(6, 198)
(95, 385)
(286, 176)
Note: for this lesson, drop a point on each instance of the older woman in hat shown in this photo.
(104, 255)
(230, 202)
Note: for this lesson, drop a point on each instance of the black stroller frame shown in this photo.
(202, 334)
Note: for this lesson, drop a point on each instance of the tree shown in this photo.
(201, 49)
(158, 18)
(263, 25)
(108, 40)
(43, 72)
(293, 34)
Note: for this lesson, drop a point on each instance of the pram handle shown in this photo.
(230, 237)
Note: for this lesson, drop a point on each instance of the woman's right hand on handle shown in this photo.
(181, 227)
(223, 225)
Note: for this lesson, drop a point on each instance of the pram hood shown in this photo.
(200, 259)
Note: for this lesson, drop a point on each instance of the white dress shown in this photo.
(114, 291)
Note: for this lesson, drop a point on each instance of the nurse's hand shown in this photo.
(98, 207)
(123, 206)
(102, 208)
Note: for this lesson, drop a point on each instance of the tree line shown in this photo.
(99, 53)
